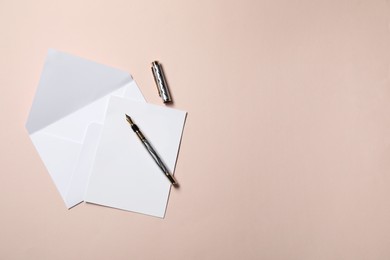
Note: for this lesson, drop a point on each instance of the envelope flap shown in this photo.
(69, 83)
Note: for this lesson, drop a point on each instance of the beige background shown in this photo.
(286, 150)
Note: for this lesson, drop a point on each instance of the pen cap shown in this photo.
(161, 83)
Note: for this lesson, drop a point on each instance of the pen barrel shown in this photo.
(140, 135)
(155, 156)
(159, 162)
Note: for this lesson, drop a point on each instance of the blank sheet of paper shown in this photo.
(124, 175)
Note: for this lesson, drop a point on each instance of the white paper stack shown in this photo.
(77, 124)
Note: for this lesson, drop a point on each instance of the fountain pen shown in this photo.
(151, 151)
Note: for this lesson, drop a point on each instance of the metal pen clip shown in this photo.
(161, 83)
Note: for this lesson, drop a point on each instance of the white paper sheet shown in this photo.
(124, 175)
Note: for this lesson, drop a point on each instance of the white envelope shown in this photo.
(67, 114)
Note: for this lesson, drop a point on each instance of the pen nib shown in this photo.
(129, 119)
